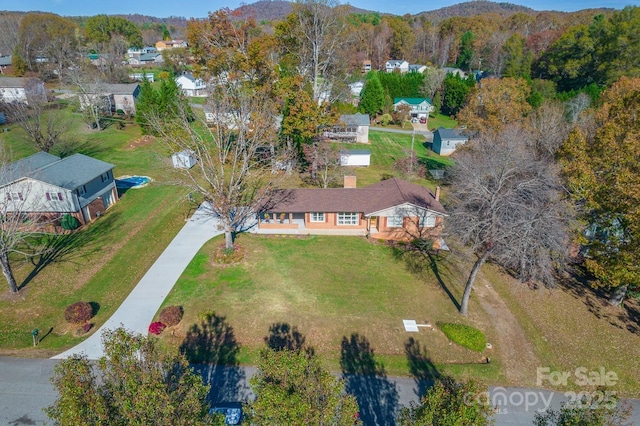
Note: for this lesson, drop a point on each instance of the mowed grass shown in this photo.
(386, 148)
(329, 288)
(573, 327)
(100, 263)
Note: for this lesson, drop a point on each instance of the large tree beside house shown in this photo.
(604, 176)
(508, 205)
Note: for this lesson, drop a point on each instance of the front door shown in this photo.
(374, 223)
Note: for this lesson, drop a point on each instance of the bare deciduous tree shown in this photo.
(325, 159)
(43, 121)
(19, 220)
(322, 25)
(234, 170)
(549, 127)
(507, 204)
(93, 99)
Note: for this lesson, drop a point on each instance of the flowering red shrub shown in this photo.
(78, 313)
(156, 327)
(171, 315)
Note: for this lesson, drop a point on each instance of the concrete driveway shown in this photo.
(137, 311)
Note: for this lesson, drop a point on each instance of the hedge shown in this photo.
(466, 336)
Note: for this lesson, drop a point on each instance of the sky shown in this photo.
(200, 8)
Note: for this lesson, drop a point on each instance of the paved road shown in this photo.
(139, 308)
(25, 390)
(428, 135)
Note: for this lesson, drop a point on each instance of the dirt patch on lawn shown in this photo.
(144, 140)
(514, 349)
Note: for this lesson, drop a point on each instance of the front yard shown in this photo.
(329, 288)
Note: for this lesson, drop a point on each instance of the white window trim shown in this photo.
(392, 221)
(428, 221)
(317, 217)
(343, 216)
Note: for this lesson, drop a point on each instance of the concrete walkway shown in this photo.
(137, 311)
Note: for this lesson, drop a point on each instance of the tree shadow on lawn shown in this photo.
(577, 283)
(57, 248)
(282, 336)
(416, 257)
(420, 365)
(366, 379)
(212, 349)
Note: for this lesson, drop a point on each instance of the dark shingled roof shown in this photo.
(355, 119)
(69, 173)
(452, 134)
(11, 82)
(374, 198)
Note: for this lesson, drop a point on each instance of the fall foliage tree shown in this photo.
(48, 36)
(604, 176)
(134, 383)
(449, 403)
(292, 387)
(495, 104)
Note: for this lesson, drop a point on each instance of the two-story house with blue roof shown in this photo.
(49, 187)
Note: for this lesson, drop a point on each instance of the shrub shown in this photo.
(69, 222)
(156, 327)
(466, 336)
(171, 315)
(385, 119)
(78, 313)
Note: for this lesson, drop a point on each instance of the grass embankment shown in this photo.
(572, 327)
(100, 263)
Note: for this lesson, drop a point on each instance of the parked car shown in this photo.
(232, 414)
(423, 120)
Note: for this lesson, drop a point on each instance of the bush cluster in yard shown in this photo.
(69, 222)
(171, 315)
(156, 327)
(464, 335)
(78, 313)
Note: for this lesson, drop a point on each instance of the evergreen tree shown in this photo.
(372, 96)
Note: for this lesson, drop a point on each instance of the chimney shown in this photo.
(349, 181)
(437, 193)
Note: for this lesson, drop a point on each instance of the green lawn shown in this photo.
(100, 263)
(440, 120)
(386, 148)
(329, 288)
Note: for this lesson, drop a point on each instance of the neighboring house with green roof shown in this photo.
(419, 107)
(445, 141)
(50, 187)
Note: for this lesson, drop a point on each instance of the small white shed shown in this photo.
(184, 159)
(355, 157)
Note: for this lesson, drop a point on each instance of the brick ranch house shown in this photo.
(48, 187)
(393, 209)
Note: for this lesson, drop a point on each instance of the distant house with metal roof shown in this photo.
(146, 59)
(48, 186)
(418, 107)
(350, 128)
(445, 141)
